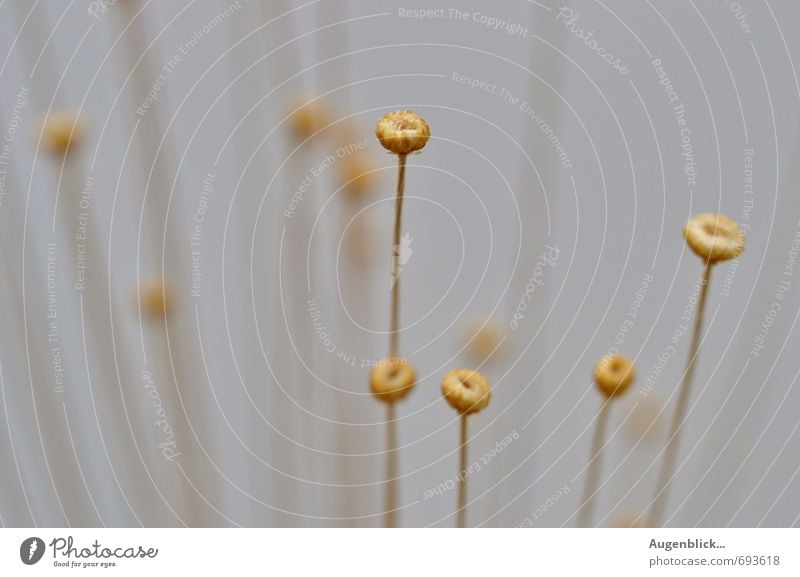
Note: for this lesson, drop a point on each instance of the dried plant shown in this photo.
(400, 133)
(613, 375)
(714, 238)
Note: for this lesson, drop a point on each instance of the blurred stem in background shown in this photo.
(595, 465)
(667, 473)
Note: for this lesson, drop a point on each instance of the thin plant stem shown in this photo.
(398, 225)
(671, 452)
(461, 514)
(391, 424)
(595, 465)
(390, 519)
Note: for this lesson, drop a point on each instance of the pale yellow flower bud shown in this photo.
(714, 237)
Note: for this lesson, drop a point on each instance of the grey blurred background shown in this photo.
(248, 404)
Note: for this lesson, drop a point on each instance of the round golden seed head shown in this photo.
(61, 132)
(392, 379)
(155, 297)
(613, 374)
(307, 117)
(402, 132)
(357, 174)
(714, 237)
(466, 390)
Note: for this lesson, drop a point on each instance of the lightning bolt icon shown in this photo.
(400, 256)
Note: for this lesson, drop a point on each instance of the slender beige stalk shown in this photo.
(390, 520)
(391, 424)
(595, 466)
(398, 226)
(671, 452)
(461, 515)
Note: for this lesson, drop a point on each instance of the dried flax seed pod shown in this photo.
(613, 374)
(483, 340)
(307, 117)
(402, 132)
(155, 297)
(466, 390)
(61, 132)
(714, 237)
(392, 379)
(357, 174)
